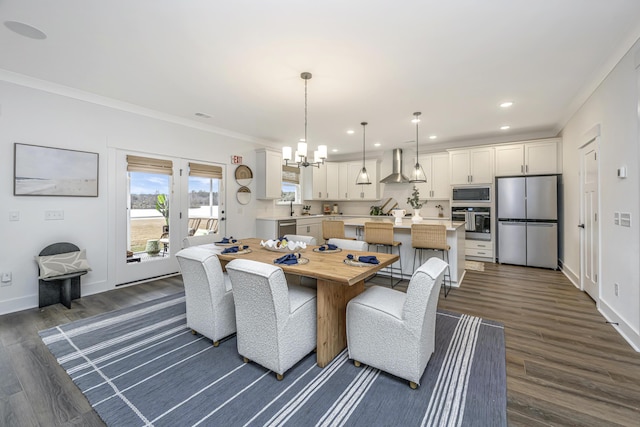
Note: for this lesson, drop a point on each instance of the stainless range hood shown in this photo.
(396, 177)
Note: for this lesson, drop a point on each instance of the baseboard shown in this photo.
(571, 275)
(623, 328)
(18, 304)
(32, 301)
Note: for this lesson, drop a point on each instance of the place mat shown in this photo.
(238, 243)
(357, 263)
(300, 261)
(327, 251)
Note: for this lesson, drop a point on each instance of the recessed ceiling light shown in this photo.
(335, 150)
(506, 104)
(25, 30)
(377, 144)
(203, 115)
(505, 127)
(351, 132)
(433, 136)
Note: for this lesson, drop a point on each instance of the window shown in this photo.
(291, 190)
(204, 197)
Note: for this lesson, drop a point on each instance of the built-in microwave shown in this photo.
(471, 194)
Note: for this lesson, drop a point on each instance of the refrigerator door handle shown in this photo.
(580, 225)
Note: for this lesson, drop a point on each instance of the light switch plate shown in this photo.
(616, 218)
(625, 219)
(14, 216)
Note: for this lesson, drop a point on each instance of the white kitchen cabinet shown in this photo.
(315, 182)
(478, 248)
(436, 168)
(269, 174)
(363, 192)
(344, 183)
(333, 180)
(310, 227)
(471, 166)
(527, 158)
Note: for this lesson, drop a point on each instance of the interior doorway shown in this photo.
(589, 212)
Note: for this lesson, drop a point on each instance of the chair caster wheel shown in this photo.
(216, 343)
(356, 363)
(279, 377)
(413, 385)
(193, 332)
(245, 360)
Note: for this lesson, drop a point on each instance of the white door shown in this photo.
(159, 201)
(589, 221)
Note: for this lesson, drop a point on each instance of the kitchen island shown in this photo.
(354, 227)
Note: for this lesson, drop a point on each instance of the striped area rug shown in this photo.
(141, 366)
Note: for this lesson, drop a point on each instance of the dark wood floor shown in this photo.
(565, 365)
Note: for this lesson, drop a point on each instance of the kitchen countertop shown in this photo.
(346, 217)
(406, 222)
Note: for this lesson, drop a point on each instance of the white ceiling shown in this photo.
(372, 60)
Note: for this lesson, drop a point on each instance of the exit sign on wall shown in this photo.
(236, 160)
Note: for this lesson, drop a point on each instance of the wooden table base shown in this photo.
(332, 318)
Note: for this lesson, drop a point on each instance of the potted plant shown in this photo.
(415, 203)
(162, 206)
(375, 210)
(440, 211)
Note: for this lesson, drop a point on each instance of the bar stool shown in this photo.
(380, 234)
(433, 238)
(333, 229)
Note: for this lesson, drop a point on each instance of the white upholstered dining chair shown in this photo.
(209, 299)
(394, 331)
(309, 240)
(349, 245)
(276, 322)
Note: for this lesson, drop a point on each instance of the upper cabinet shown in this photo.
(436, 168)
(315, 187)
(269, 174)
(528, 158)
(337, 181)
(471, 166)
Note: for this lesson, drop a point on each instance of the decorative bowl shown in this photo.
(283, 245)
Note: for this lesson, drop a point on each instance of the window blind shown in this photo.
(205, 171)
(291, 174)
(149, 165)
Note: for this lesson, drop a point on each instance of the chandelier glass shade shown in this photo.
(363, 176)
(417, 174)
(301, 158)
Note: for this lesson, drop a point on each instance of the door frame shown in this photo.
(589, 138)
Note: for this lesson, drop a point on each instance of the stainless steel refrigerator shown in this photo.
(528, 220)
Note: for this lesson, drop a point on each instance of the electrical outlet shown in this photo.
(53, 215)
(14, 216)
(6, 279)
(615, 288)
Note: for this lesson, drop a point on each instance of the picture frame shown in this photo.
(49, 171)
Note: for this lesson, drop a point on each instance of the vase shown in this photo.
(416, 216)
(153, 247)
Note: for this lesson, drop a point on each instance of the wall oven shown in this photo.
(477, 219)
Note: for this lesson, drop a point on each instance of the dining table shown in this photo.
(337, 283)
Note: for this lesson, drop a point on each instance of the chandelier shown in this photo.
(363, 176)
(301, 158)
(417, 175)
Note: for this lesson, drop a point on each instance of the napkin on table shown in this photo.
(288, 259)
(368, 259)
(230, 250)
(328, 246)
(228, 240)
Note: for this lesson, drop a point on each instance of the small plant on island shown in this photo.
(414, 200)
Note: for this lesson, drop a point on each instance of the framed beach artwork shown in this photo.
(48, 171)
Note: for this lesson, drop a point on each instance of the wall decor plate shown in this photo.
(243, 195)
(244, 175)
(327, 251)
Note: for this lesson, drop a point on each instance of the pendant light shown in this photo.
(417, 175)
(301, 158)
(363, 176)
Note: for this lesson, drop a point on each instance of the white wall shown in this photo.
(39, 117)
(614, 107)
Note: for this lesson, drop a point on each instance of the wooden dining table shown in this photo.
(337, 284)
